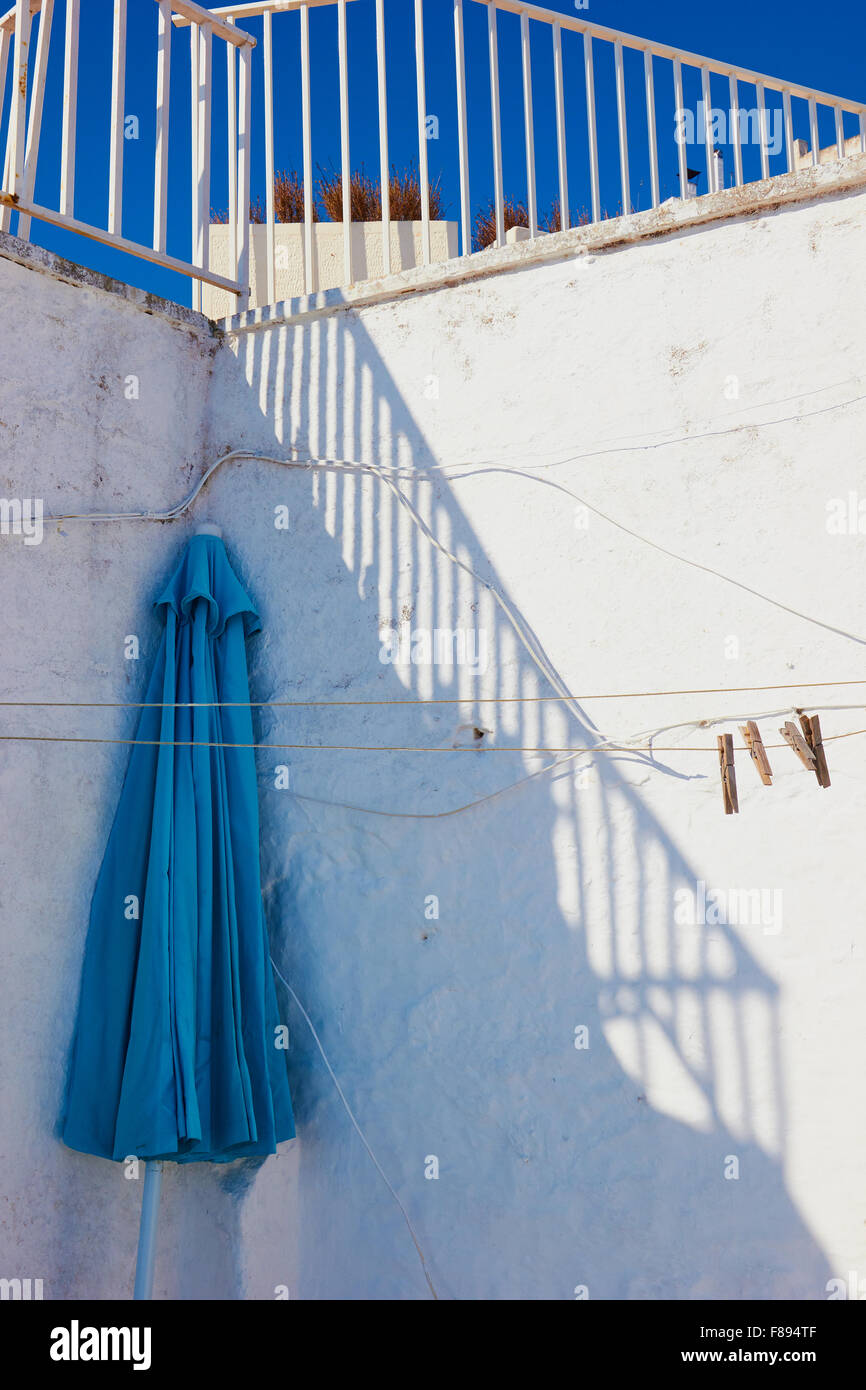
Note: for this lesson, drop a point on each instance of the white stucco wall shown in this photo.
(682, 389)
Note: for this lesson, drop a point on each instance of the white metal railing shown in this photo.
(583, 159)
(557, 23)
(24, 129)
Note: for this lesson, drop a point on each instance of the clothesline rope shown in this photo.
(437, 700)
(398, 748)
(514, 618)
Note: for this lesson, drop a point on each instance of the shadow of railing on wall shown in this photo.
(454, 1035)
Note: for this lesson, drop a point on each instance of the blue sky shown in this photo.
(823, 47)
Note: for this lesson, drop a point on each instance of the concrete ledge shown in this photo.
(752, 199)
(36, 258)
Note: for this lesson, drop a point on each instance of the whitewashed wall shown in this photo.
(703, 391)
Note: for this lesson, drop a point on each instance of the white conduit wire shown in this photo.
(615, 444)
(548, 767)
(386, 476)
(358, 1128)
(526, 638)
(672, 554)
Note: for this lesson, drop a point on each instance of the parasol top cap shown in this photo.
(208, 528)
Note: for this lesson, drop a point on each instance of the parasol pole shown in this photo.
(147, 1230)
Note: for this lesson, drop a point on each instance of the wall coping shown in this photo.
(674, 216)
(44, 262)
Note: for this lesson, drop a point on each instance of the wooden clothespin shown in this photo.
(755, 745)
(791, 734)
(725, 743)
(811, 726)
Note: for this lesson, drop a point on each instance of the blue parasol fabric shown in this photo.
(176, 1052)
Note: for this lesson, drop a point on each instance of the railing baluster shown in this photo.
(840, 133)
(34, 128)
(651, 126)
(16, 135)
(384, 169)
(193, 152)
(734, 114)
(271, 234)
(496, 130)
(762, 124)
(309, 264)
(528, 125)
(789, 131)
(244, 97)
(561, 155)
(163, 90)
(232, 144)
(118, 91)
(813, 131)
(5, 210)
(205, 39)
(70, 110)
(623, 129)
(423, 172)
(863, 132)
(707, 99)
(681, 141)
(591, 126)
(348, 276)
(462, 139)
(5, 45)
(5, 48)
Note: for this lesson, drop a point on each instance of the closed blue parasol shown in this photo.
(176, 1051)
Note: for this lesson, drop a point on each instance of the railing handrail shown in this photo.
(253, 9)
(197, 14)
(256, 8)
(191, 13)
(7, 20)
(663, 50)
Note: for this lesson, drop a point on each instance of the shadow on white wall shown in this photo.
(454, 1036)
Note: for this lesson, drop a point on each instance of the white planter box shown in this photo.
(803, 154)
(327, 254)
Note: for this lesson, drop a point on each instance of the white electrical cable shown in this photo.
(671, 554)
(523, 633)
(422, 475)
(360, 1132)
(309, 465)
(613, 446)
(652, 439)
